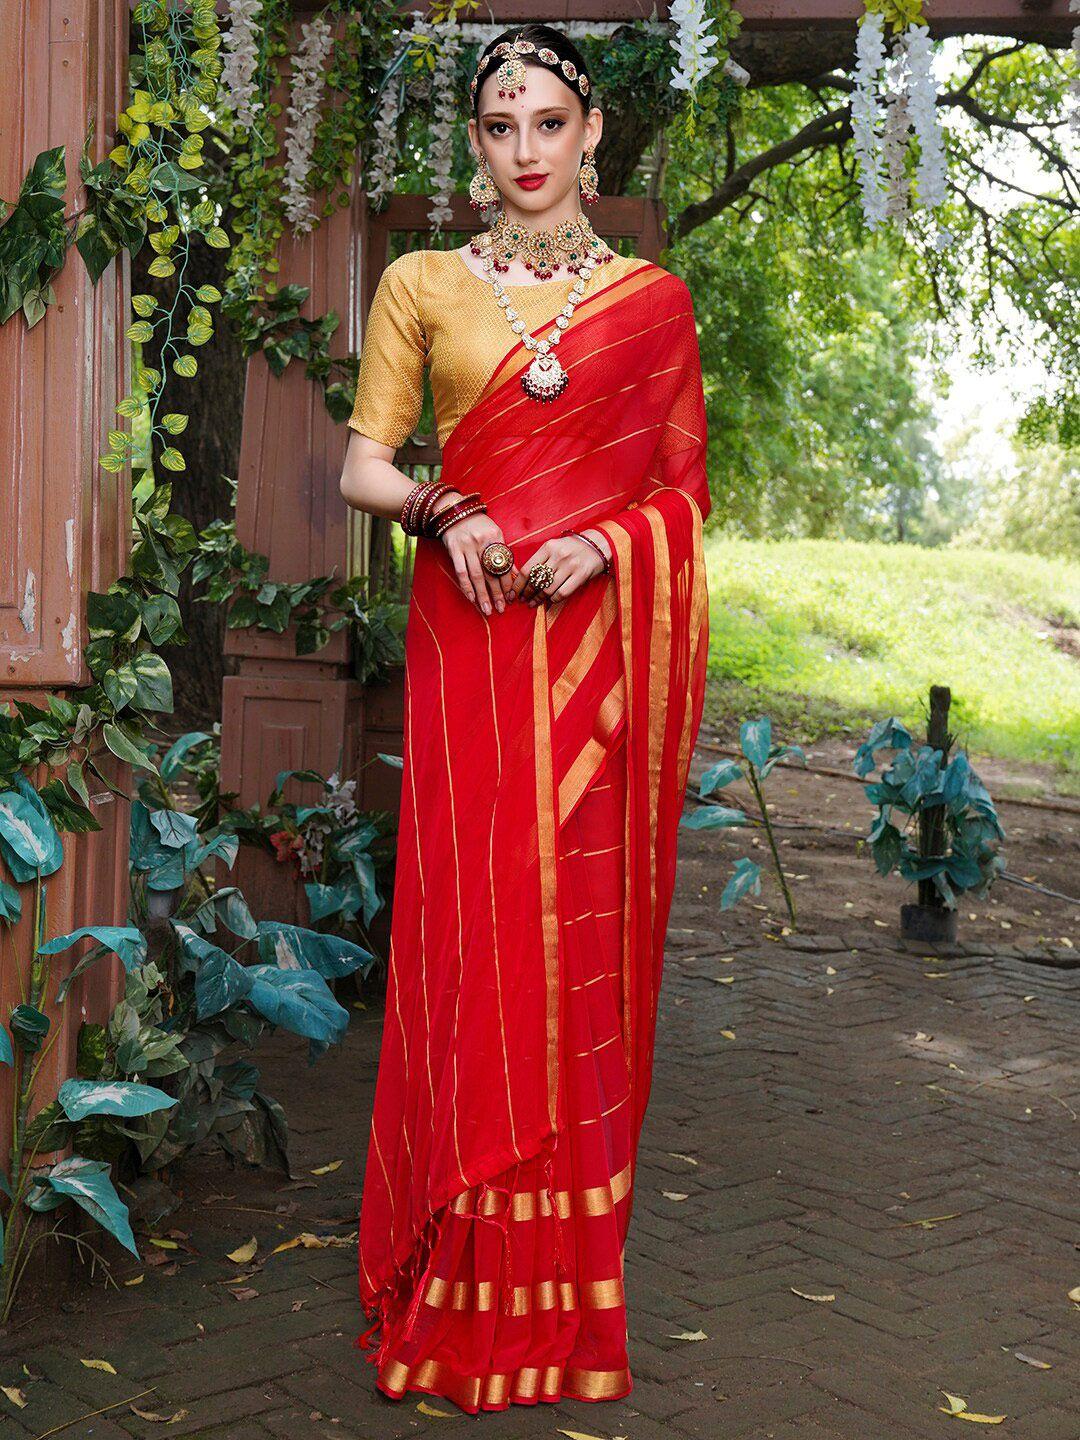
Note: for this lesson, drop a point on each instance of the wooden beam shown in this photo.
(1042, 19)
(1011, 17)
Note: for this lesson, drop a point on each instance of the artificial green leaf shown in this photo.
(88, 1183)
(80, 1098)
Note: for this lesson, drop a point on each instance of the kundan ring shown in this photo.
(541, 576)
(496, 558)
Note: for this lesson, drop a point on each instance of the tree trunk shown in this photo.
(214, 400)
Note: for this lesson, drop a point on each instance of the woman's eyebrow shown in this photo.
(505, 114)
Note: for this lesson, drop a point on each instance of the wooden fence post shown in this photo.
(65, 521)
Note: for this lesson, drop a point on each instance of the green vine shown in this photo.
(316, 608)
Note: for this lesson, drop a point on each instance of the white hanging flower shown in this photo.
(869, 62)
(691, 43)
(1074, 83)
(341, 798)
(923, 110)
(240, 61)
(384, 154)
(446, 121)
(305, 96)
(894, 140)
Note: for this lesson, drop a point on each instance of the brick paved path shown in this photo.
(864, 1089)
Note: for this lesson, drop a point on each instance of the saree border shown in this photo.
(658, 693)
(545, 821)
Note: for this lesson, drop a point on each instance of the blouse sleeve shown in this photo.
(390, 386)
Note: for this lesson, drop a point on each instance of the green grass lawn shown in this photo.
(827, 635)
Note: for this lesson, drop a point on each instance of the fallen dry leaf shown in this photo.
(673, 1195)
(689, 1335)
(804, 1296)
(15, 1395)
(580, 1435)
(314, 1242)
(426, 1409)
(247, 1293)
(929, 1221)
(326, 1169)
(173, 1419)
(136, 1279)
(1074, 1294)
(98, 1365)
(688, 1158)
(163, 1244)
(724, 979)
(1030, 1360)
(728, 1034)
(958, 1409)
(830, 969)
(245, 1252)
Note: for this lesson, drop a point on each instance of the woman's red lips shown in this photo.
(530, 182)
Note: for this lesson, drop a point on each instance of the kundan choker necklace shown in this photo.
(542, 252)
(545, 379)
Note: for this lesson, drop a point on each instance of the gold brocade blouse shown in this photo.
(430, 309)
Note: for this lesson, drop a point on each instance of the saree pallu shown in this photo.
(546, 754)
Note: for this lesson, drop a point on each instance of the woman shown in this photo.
(555, 658)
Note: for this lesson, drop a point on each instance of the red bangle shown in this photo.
(410, 504)
(416, 501)
(426, 505)
(432, 515)
(603, 557)
(460, 510)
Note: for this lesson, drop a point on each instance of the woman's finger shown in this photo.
(522, 584)
(521, 577)
(476, 574)
(539, 597)
(461, 571)
(494, 588)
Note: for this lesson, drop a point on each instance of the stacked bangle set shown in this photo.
(419, 516)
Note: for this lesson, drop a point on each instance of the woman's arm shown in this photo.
(371, 482)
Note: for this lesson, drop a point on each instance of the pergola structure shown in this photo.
(283, 711)
(64, 522)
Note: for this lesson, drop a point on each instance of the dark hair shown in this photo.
(540, 35)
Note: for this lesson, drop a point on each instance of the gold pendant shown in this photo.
(545, 379)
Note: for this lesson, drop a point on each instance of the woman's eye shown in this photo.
(497, 126)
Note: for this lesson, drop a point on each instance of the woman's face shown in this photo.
(541, 132)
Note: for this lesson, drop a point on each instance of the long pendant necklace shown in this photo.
(545, 379)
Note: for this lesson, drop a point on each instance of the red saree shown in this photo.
(545, 764)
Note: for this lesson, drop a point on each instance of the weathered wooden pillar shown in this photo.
(65, 522)
(283, 711)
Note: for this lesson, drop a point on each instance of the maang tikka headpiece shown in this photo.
(511, 73)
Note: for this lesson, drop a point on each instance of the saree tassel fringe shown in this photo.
(561, 1263)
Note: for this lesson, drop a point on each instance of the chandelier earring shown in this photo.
(483, 192)
(588, 178)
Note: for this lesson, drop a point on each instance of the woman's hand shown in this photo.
(574, 562)
(464, 542)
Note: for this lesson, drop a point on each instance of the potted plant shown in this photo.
(956, 828)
